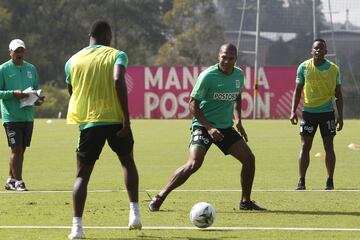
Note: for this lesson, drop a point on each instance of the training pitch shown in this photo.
(45, 212)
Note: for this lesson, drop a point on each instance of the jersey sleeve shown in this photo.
(201, 87)
(300, 75)
(121, 59)
(4, 94)
(67, 71)
(338, 78)
(242, 80)
(37, 80)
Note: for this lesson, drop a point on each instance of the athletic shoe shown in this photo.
(10, 184)
(250, 205)
(134, 220)
(301, 185)
(77, 232)
(20, 186)
(155, 203)
(329, 184)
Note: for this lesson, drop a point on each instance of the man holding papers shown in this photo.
(18, 80)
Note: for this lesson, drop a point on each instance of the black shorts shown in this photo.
(201, 137)
(325, 121)
(19, 133)
(92, 141)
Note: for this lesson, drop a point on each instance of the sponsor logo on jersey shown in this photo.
(29, 74)
(226, 96)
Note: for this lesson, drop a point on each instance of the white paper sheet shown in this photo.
(34, 95)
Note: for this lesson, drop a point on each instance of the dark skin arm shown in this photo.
(121, 90)
(40, 101)
(237, 115)
(339, 106)
(69, 87)
(295, 103)
(19, 94)
(194, 107)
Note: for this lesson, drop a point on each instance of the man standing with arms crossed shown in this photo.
(216, 94)
(320, 81)
(16, 75)
(99, 104)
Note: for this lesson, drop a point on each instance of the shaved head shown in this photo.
(228, 47)
(227, 58)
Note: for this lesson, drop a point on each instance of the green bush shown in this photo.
(56, 102)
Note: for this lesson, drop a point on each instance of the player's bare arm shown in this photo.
(295, 102)
(237, 115)
(69, 87)
(339, 106)
(194, 107)
(121, 90)
(19, 94)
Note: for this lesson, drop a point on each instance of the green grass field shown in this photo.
(161, 147)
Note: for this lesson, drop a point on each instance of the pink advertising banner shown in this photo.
(163, 92)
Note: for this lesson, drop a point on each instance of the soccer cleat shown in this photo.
(301, 185)
(155, 203)
(77, 232)
(329, 184)
(10, 184)
(251, 205)
(134, 220)
(20, 186)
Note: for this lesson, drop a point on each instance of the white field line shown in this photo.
(185, 190)
(191, 228)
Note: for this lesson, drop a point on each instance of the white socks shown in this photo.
(77, 221)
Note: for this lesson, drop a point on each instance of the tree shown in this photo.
(192, 32)
(275, 16)
(56, 100)
(274, 58)
(54, 30)
(5, 22)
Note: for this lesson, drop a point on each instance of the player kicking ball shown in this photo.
(216, 94)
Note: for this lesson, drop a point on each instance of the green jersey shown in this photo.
(217, 93)
(13, 77)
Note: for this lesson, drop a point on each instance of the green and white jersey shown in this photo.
(13, 77)
(217, 93)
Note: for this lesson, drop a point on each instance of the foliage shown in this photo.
(290, 15)
(56, 102)
(272, 57)
(193, 34)
(55, 30)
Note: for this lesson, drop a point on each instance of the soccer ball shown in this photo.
(202, 215)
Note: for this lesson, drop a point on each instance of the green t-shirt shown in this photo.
(13, 77)
(300, 79)
(120, 58)
(217, 93)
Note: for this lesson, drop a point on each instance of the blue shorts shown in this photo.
(201, 137)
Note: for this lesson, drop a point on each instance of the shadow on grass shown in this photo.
(323, 213)
(298, 212)
(152, 237)
(162, 238)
